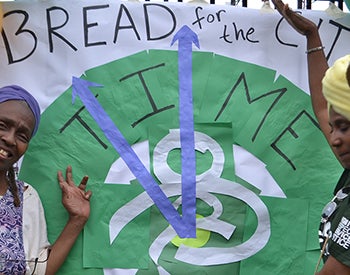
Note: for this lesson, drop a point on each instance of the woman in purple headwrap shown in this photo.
(24, 248)
(330, 96)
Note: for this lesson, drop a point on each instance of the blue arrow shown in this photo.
(185, 37)
(120, 144)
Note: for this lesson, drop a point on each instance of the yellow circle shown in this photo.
(202, 237)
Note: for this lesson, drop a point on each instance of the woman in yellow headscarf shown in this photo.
(330, 96)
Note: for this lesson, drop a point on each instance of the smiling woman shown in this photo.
(25, 248)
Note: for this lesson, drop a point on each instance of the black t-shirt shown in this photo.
(335, 223)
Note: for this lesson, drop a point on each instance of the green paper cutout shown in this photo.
(107, 199)
(285, 252)
(126, 102)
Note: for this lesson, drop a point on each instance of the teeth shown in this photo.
(3, 153)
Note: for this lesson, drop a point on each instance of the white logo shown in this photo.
(341, 235)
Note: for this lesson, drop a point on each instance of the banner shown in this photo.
(193, 123)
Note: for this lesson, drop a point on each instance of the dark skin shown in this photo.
(16, 127)
(340, 137)
(335, 127)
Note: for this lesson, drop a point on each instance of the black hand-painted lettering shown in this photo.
(172, 19)
(294, 134)
(53, 30)
(340, 29)
(90, 25)
(249, 32)
(199, 19)
(124, 10)
(280, 92)
(77, 117)
(218, 14)
(19, 31)
(278, 37)
(238, 33)
(155, 109)
(210, 18)
(225, 35)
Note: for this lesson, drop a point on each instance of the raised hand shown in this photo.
(297, 21)
(75, 199)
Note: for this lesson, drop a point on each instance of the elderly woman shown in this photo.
(24, 248)
(330, 96)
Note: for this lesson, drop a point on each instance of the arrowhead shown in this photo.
(186, 34)
(79, 84)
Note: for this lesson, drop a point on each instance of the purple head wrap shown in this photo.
(14, 92)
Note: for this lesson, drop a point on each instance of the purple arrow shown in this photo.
(185, 37)
(120, 144)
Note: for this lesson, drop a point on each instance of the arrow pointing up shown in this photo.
(186, 37)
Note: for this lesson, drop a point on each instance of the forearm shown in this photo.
(64, 243)
(317, 62)
(334, 267)
(317, 66)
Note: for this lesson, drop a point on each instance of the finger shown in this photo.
(297, 21)
(69, 175)
(288, 11)
(61, 181)
(83, 182)
(88, 195)
(279, 5)
(60, 178)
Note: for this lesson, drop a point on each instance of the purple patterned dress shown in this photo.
(12, 257)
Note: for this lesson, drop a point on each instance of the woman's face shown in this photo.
(340, 137)
(16, 127)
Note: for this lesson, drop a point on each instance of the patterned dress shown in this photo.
(12, 257)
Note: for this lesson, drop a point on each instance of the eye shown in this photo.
(3, 125)
(23, 137)
(344, 127)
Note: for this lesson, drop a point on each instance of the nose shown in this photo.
(335, 139)
(9, 138)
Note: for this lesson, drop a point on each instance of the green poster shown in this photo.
(234, 102)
